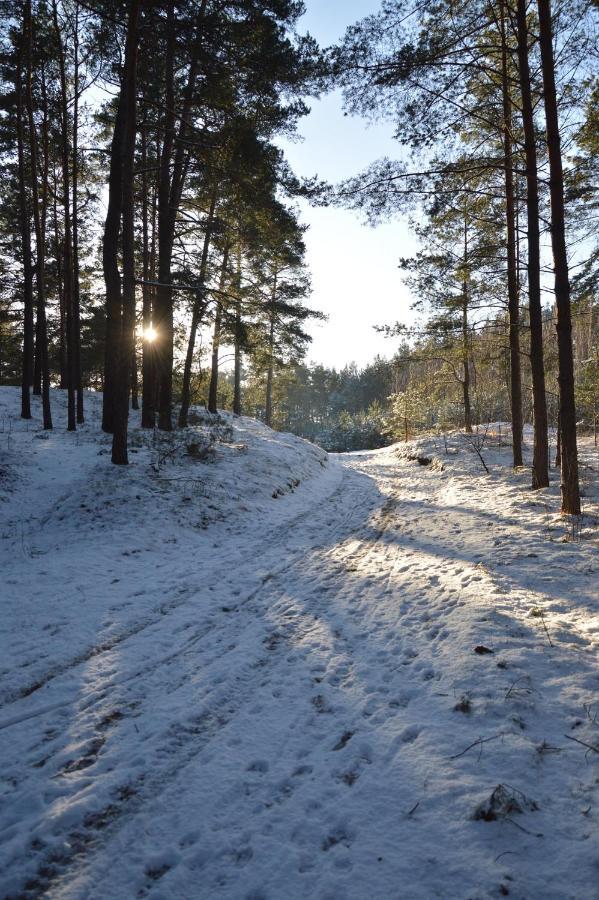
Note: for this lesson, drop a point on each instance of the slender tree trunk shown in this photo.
(112, 276)
(237, 365)
(164, 300)
(148, 415)
(134, 373)
(37, 358)
(213, 391)
(540, 465)
(269, 375)
(199, 307)
(567, 407)
(271, 347)
(62, 337)
(68, 239)
(39, 225)
(466, 340)
(173, 170)
(76, 281)
(25, 223)
(512, 273)
(39, 325)
(127, 318)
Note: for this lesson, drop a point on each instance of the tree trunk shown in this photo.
(68, 240)
(148, 369)
(163, 307)
(271, 345)
(540, 465)
(466, 340)
(39, 223)
(62, 337)
(112, 277)
(213, 391)
(199, 307)
(567, 407)
(25, 223)
(512, 273)
(269, 379)
(237, 369)
(76, 285)
(127, 317)
(171, 182)
(134, 373)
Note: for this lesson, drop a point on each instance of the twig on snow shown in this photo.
(582, 743)
(478, 743)
(538, 834)
(542, 617)
(512, 687)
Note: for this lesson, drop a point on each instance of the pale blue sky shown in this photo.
(354, 269)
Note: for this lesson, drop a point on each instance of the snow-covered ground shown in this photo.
(239, 669)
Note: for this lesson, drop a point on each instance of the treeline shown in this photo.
(341, 409)
(421, 388)
(146, 203)
(495, 104)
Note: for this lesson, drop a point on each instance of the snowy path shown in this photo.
(287, 718)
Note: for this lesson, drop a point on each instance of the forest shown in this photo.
(275, 625)
(198, 264)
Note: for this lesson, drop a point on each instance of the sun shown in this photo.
(150, 335)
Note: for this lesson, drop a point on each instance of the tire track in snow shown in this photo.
(274, 540)
(341, 516)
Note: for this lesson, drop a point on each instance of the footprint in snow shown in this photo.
(409, 734)
(258, 765)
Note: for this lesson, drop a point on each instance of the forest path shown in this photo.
(290, 723)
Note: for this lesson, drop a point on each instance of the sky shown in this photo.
(355, 275)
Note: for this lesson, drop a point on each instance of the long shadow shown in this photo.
(180, 720)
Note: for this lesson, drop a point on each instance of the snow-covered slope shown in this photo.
(255, 672)
(81, 536)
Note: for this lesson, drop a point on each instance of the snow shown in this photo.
(240, 668)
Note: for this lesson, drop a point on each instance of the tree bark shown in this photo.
(466, 340)
(68, 239)
(148, 373)
(512, 273)
(213, 391)
(127, 314)
(76, 282)
(540, 465)
(269, 379)
(271, 344)
(237, 338)
(163, 306)
(199, 306)
(39, 226)
(110, 263)
(25, 224)
(134, 373)
(567, 407)
(171, 182)
(62, 337)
